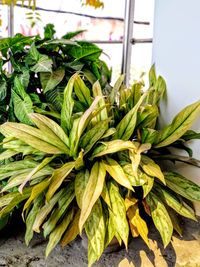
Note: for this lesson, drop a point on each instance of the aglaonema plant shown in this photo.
(94, 167)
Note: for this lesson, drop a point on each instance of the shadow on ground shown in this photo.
(182, 251)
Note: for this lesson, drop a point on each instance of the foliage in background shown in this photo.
(32, 3)
(41, 70)
(94, 3)
(95, 165)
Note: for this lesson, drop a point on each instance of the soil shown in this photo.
(183, 251)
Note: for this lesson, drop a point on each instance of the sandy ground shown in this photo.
(183, 251)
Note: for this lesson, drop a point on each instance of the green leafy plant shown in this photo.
(96, 166)
(41, 69)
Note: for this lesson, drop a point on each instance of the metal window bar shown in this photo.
(127, 41)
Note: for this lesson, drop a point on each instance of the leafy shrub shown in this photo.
(41, 69)
(95, 166)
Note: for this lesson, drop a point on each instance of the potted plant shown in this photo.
(45, 63)
(95, 165)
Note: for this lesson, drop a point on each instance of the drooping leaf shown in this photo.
(58, 177)
(138, 222)
(95, 229)
(45, 210)
(81, 181)
(31, 218)
(172, 201)
(52, 130)
(136, 180)
(116, 171)
(182, 186)
(175, 221)
(160, 217)
(105, 195)
(118, 212)
(16, 167)
(30, 135)
(72, 231)
(18, 198)
(112, 147)
(19, 179)
(36, 191)
(57, 233)
(45, 162)
(151, 168)
(92, 191)
(180, 124)
(63, 203)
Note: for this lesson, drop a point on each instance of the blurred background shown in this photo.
(103, 26)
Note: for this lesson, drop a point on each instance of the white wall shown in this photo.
(176, 53)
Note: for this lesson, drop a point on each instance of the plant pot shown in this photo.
(112, 247)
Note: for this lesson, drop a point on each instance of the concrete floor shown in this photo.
(181, 252)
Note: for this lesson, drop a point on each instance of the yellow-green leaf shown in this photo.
(182, 186)
(103, 115)
(31, 218)
(56, 235)
(45, 210)
(105, 195)
(112, 147)
(52, 129)
(72, 231)
(172, 201)
(58, 177)
(68, 104)
(95, 229)
(63, 203)
(116, 171)
(82, 92)
(93, 135)
(35, 170)
(118, 212)
(126, 126)
(160, 217)
(36, 191)
(151, 168)
(31, 136)
(92, 191)
(81, 181)
(180, 124)
(138, 222)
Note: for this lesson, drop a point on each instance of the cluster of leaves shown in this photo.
(32, 3)
(22, 2)
(94, 3)
(94, 166)
(41, 70)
